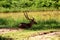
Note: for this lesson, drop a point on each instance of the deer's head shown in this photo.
(33, 21)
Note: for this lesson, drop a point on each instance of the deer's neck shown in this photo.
(30, 23)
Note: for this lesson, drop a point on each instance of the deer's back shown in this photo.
(24, 25)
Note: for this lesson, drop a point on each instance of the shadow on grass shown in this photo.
(5, 38)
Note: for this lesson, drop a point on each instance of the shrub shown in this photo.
(23, 5)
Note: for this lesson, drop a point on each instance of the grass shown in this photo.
(20, 35)
(47, 20)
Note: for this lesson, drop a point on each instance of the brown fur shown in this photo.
(27, 25)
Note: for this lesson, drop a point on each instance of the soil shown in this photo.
(6, 30)
(52, 35)
(39, 36)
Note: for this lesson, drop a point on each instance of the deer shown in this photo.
(27, 25)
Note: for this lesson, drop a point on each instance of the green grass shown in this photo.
(49, 21)
(48, 24)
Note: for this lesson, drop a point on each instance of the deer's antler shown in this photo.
(26, 15)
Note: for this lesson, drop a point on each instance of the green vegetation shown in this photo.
(48, 24)
(8, 22)
(43, 22)
(11, 20)
(30, 5)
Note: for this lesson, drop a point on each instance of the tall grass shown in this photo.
(45, 20)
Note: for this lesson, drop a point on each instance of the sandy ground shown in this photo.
(40, 36)
(46, 36)
(6, 30)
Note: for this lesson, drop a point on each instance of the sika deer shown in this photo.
(27, 25)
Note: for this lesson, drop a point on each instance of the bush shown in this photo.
(32, 5)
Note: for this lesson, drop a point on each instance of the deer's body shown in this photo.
(27, 25)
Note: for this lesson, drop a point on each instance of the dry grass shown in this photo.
(46, 15)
